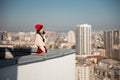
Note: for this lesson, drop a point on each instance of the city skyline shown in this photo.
(62, 15)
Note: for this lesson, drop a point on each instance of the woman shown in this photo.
(39, 40)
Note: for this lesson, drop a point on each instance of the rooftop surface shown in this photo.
(33, 57)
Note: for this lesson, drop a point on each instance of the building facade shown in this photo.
(85, 72)
(107, 69)
(83, 39)
(112, 44)
(71, 39)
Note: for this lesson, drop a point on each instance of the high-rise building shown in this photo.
(83, 39)
(21, 36)
(108, 42)
(3, 35)
(71, 39)
(85, 72)
(112, 44)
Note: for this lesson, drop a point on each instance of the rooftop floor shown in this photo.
(30, 58)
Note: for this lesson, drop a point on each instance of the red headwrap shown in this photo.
(38, 26)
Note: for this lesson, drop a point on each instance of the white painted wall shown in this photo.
(62, 68)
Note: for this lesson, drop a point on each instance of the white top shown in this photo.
(39, 42)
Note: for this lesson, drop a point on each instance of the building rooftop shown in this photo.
(30, 58)
(110, 61)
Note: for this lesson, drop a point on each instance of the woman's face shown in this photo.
(42, 30)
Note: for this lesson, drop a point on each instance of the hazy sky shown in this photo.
(59, 15)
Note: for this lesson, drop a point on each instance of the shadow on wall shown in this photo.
(9, 56)
(7, 52)
(9, 73)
